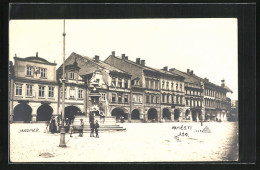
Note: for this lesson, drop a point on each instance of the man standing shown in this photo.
(81, 128)
(96, 129)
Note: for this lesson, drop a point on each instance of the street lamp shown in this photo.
(62, 129)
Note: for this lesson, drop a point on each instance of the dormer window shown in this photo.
(29, 70)
(72, 76)
(43, 72)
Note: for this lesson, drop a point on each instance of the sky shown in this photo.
(208, 46)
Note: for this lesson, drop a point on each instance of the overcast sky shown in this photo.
(207, 46)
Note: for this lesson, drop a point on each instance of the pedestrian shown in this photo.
(96, 129)
(92, 127)
(53, 127)
(71, 130)
(81, 128)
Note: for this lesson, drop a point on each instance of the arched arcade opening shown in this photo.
(71, 112)
(135, 114)
(194, 115)
(22, 112)
(176, 114)
(166, 114)
(152, 114)
(44, 113)
(119, 112)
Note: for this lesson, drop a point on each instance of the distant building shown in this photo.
(33, 89)
(157, 95)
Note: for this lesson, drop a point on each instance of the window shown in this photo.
(51, 91)
(72, 76)
(18, 89)
(187, 103)
(157, 99)
(134, 98)
(41, 91)
(167, 97)
(65, 94)
(181, 87)
(140, 99)
(163, 99)
(126, 99)
(177, 86)
(156, 85)
(172, 98)
(126, 83)
(28, 90)
(72, 93)
(114, 82)
(29, 71)
(120, 98)
(147, 98)
(167, 85)
(177, 99)
(162, 84)
(113, 97)
(120, 82)
(43, 72)
(80, 94)
(172, 86)
(152, 99)
(147, 83)
(152, 84)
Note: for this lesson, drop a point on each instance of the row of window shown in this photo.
(213, 93)
(212, 103)
(170, 99)
(152, 84)
(119, 82)
(193, 92)
(119, 98)
(193, 103)
(170, 86)
(31, 69)
(29, 90)
(72, 93)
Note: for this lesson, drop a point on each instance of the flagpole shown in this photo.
(62, 129)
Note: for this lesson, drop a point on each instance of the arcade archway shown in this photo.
(194, 115)
(166, 114)
(152, 114)
(71, 112)
(119, 112)
(176, 114)
(22, 112)
(44, 113)
(135, 114)
(187, 114)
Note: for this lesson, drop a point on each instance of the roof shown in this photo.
(35, 59)
(149, 68)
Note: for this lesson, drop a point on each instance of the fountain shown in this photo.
(94, 95)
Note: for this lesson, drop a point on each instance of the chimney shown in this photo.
(96, 58)
(126, 57)
(15, 55)
(165, 68)
(113, 53)
(123, 56)
(137, 60)
(191, 72)
(188, 70)
(223, 82)
(143, 62)
(36, 54)
(172, 69)
(206, 79)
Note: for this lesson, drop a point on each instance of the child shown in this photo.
(96, 129)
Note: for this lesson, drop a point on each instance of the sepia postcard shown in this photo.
(123, 90)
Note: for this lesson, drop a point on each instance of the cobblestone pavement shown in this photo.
(142, 142)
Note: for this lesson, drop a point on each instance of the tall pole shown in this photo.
(62, 129)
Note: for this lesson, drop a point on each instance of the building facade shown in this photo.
(128, 89)
(33, 90)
